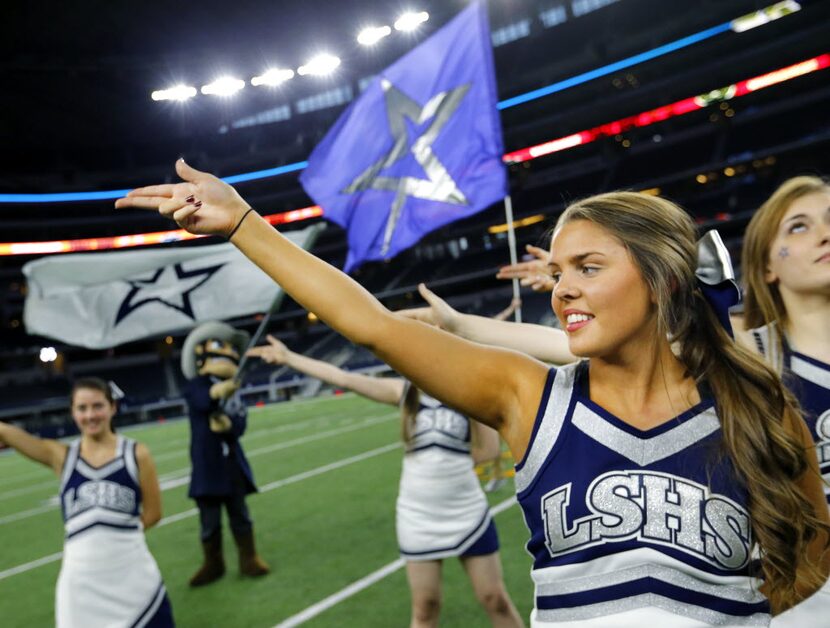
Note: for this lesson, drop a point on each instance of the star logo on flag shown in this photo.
(169, 285)
(439, 185)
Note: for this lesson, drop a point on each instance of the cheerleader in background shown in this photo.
(786, 318)
(441, 510)
(109, 495)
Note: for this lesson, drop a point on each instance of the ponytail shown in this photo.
(768, 457)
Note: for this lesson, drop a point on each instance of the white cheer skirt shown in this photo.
(108, 578)
(441, 509)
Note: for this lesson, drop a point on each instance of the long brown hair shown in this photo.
(409, 404)
(752, 403)
(763, 304)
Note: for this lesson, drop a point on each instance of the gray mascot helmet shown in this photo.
(212, 330)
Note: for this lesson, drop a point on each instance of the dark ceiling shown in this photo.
(77, 76)
(76, 113)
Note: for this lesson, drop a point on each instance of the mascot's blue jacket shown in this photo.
(212, 454)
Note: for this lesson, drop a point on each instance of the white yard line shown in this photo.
(364, 583)
(13, 571)
(177, 443)
(25, 490)
(181, 477)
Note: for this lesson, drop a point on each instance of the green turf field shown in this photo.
(328, 472)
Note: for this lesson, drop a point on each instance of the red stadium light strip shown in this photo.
(678, 108)
(610, 129)
(140, 239)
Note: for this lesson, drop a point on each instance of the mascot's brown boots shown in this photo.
(249, 563)
(214, 565)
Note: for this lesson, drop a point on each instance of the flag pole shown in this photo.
(263, 325)
(511, 241)
(275, 305)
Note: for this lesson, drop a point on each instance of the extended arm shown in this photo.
(507, 312)
(378, 389)
(541, 342)
(501, 388)
(43, 450)
(149, 483)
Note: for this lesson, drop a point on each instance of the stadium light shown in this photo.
(371, 35)
(48, 354)
(223, 86)
(177, 92)
(321, 65)
(411, 21)
(272, 77)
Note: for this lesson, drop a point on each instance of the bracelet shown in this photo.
(244, 216)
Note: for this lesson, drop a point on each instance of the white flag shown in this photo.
(99, 300)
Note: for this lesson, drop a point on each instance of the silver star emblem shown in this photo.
(439, 186)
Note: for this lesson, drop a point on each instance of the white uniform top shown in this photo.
(108, 576)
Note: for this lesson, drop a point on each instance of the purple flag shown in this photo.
(420, 148)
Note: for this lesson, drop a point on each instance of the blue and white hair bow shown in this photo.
(716, 277)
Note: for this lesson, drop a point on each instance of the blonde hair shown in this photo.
(752, 403)
(763, 304)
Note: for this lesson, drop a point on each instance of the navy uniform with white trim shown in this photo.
(441, 509)
(809, 380)
(634, 528)
(108, 576)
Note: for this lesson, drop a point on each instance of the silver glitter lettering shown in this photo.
(673, 511)
(613, 498)
(730, 541)
(559, 538)
(100, 493)
(658, 509)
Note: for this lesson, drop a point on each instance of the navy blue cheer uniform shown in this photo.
(809, 380)
(108, 576)
(634, 528)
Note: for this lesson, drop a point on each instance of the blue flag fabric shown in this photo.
(420, 148)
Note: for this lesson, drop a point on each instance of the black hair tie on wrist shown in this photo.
(244, 216)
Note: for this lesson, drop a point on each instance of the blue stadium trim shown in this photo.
(614, 67)
(504, 104)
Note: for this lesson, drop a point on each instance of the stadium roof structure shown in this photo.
(77, 114)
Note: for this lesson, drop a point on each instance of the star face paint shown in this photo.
(800, 247)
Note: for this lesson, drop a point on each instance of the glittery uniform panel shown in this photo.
(629, 526)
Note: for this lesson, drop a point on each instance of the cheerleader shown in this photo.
(109, 495)
(651, 471)
(441, 511)
(786, 318)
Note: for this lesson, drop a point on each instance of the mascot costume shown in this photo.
(221, 475)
